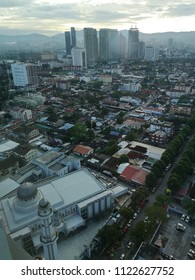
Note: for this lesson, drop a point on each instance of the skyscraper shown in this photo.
(78, 57)
(73, 37)
(24, 74)
(48, 233)
(91, 45)
(108, 44)
(122, 47)
(67, 42)
(133, 43)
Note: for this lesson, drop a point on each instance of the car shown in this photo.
(183, 216)
(190, 255)
(193, 243)
(122, 257)
(167, 167)
(192, 252)
(135, 215)
(193, 237)
(129, 245)
(180, 227)
(146, 220)
(187, 219)
(129, 223)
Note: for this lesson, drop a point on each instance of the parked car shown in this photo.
(183, 216)
(193, 243)
(135, 215)
(187, 219)
(180, 227)
(129, 223)
(129, 245)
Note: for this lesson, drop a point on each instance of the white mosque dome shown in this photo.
(27, 191)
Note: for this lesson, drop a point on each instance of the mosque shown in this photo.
(40, 213)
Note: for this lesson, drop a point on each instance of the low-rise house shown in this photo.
(83, 150)
(21, 114)
(26, 152)
(181, 110)
(167, 127)
(158, 137)
(134, 175)
(6, 147)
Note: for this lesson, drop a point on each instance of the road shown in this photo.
(161, 187)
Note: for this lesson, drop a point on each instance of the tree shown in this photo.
(131, 136)
(150, 181)
(174, 182)
(78, 132)
(141, 232)
(189, 205)
(156, 214)
(138, 197)
(123, 158)
(126, 212)
(109, 234)
(180, 170)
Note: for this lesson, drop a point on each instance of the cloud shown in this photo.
(14, 3)
(60, 14)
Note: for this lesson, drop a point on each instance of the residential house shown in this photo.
(82, 150)
(26, 152)
(21, 114)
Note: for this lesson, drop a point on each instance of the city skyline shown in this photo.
(49, 18)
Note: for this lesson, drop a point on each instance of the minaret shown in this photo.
(48, 233)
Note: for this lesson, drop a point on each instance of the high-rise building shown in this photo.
(108, 44)
(151, 53)
(122, 46)
(78, 57)
(73, 37)
(133, 43)
(67, 42)
(104, 44)
(24, 74)
(49, 235)
(91, 45)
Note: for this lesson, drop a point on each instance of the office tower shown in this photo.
(78, 57)
(122, 47)
(151, 53)
(67, 42)
(108, 44)
(49, 235)
(133, 43)
(24, 74)
(141, 49)
(104, 44)
(73, 37)
(91, 45)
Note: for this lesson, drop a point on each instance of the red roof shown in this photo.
(140, 177)
(83, 150)
(132, 173)
(129, 172)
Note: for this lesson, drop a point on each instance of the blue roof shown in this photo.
(114, 133)
(67, 126)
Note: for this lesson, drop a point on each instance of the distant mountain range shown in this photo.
(45, 43)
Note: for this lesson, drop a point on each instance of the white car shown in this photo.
(122, 257)
(129, 245)
(183, 216)
(187, 219)
(135, 215)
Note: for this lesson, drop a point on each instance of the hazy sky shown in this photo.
(55, 16)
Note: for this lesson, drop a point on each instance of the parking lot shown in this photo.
(178, 242)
